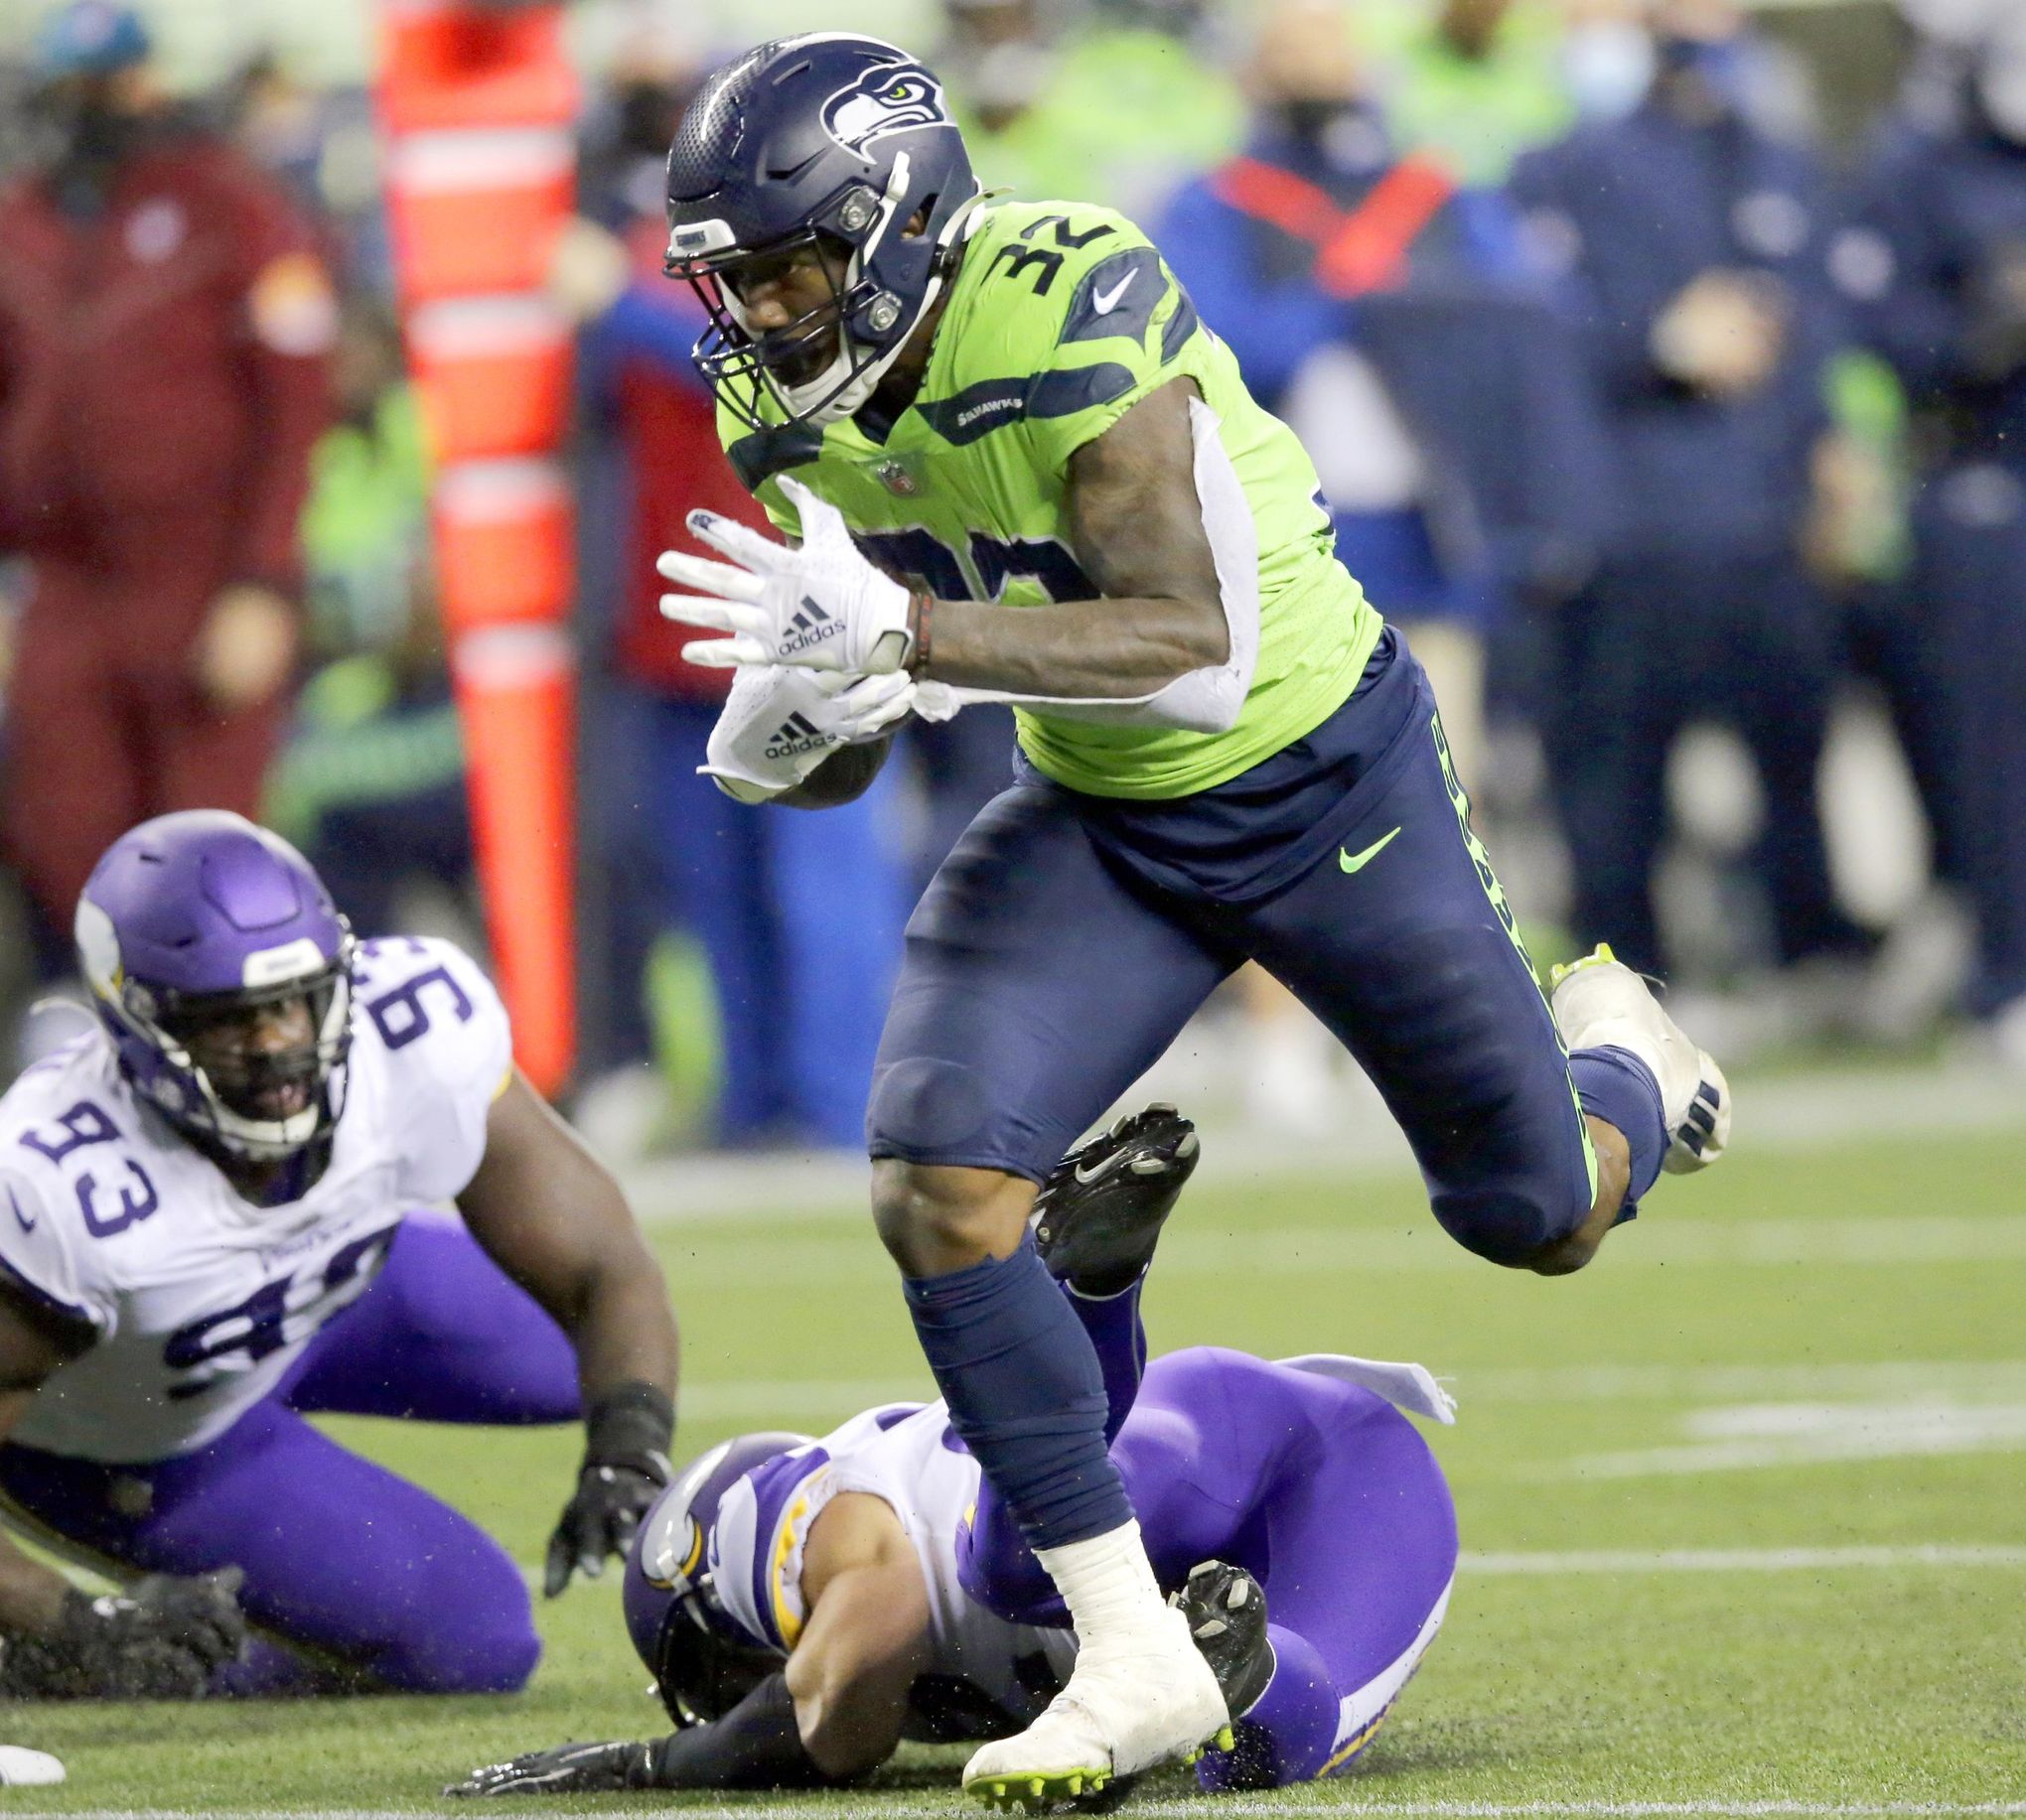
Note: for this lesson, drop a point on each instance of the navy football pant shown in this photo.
(1041, 977)
(1321, 1489)
(354, 1578)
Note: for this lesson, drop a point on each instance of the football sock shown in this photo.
(1613, 1085)
(1107, 1583)
(1288, 1734)
(1024, 1392)
(1120, 1343)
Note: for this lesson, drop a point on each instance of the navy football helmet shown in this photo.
(832, 143)
(702, 1662)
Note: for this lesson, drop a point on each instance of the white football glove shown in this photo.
(820, 607)
(779, 724)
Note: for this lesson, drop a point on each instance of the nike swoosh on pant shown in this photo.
(1353, 862)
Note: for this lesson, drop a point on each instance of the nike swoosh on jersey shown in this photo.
(1102, 302)
(21, 1218)
(1355, 862)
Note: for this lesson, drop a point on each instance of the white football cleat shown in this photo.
(1124, 1709)
(21, 1768)
(1600, 1003)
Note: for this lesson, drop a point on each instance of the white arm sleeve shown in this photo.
(1205, 700)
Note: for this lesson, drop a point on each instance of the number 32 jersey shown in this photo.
(1060, 318)
(197, 1302)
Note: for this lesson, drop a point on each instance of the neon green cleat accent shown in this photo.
(1598, 956)
(1034, 1794)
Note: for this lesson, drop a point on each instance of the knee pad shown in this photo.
(1505, 1225)
(473, 1632)
(922, 1108)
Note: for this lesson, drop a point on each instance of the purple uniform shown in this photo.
(175, 1439)
(1299, 1471)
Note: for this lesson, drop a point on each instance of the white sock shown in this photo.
(1107, 1583)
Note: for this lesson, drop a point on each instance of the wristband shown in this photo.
(920, 606)
(631, 1423)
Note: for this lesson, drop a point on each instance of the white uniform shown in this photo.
(198, 1300)
(985, 1675)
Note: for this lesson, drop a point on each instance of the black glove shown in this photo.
(626, 1465)
(757, 1744)
(568, 1769)
(158, 1639)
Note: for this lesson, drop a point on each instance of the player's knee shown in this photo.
(470, 1629)
(933, 1220)
(1511, 1225)
(484, 1653)
(1008, 1581)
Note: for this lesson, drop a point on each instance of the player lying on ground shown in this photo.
(213, 1224)
(814, 1602)
(958, 408)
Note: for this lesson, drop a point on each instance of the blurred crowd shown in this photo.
(1687, 445)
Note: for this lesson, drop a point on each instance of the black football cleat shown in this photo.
(1226, 1614)
(1099, 1213)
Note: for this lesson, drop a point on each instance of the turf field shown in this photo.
(1744, 1505)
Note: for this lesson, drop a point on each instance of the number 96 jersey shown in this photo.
(194, 1302)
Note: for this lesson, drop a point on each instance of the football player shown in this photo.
(1014, 462)
(805, 1605)
(217, 1221)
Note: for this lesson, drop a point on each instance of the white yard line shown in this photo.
(1744, 1560)
(871, 1807)
(1557, 1562)
(777, 1400)
(1790, 1113)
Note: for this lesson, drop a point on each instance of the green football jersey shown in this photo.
(1061, 316)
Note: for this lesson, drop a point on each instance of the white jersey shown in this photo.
(197, 1302)
(985, 1675)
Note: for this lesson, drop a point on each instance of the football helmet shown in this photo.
(199, 916)
(702, 1662)
(832, 143)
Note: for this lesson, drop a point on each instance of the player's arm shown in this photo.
(866, 1638)
(833, 1714)
(160, 1640)
(31, 1594)
(1136, 529)
(554, 1220)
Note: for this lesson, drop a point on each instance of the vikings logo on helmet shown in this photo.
(890, 98)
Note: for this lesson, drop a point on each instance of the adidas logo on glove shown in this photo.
(794, 737)
(811, 627)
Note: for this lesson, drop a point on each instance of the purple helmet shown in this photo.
(201, 914)
(704, 1664)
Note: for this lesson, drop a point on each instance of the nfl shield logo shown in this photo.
(897, 480)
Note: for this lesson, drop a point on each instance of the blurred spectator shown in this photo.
(798, 913)
(1391, 319)
(1695, 242)
(371, 783)
(165, 328)
(1111, 113)
(1935, 267)
(1476, 82)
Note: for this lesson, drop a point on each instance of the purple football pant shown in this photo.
(357, 1580)
(1322, 1490)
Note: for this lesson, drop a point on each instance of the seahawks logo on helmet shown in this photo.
(890, 98)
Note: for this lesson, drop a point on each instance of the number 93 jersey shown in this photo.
(194, 1302)
(1061, 318)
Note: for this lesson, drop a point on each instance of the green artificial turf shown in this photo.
(1799, 1352)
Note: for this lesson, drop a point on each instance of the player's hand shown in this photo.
(779, 724)
(245, 647)
(600, 1521)
(158, 1639)
(820, 606)
(568, 1770)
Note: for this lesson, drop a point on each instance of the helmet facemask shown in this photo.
(753, 370)
(256, 1105)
